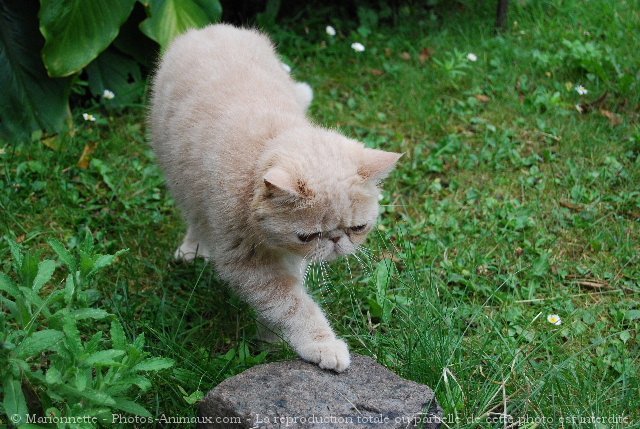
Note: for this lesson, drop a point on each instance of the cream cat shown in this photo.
(263, 190)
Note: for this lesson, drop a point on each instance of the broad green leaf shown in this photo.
(16, 253)
(104, 261)
(117, 73)
(632, 314)
(89, 313)
(73, 340)
(31, 297)
(154, 364)
(212, 8)
(29, 268)
(30, 99)
(7, 285)
(134, 43)
(383, 276)
(69, 288)
(38, 342)
(103, 358)
(131, 407)
(53, 376)
(170, 18)
(196, 396)
(541, 265)
(118, 337)
(138, 343)
(76, 31)
(142, 382)
(384, 271)
(14, 402)
(94, 343)
(96, 397)
(82, 379)
(45, 271)
(10, 305)
(65, 256)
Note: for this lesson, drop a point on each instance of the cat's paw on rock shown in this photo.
(332, 354)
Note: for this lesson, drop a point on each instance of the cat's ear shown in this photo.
(278, 181)
(377, 164)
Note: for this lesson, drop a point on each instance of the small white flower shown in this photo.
(581, 90)
(89, 117)
(330, 30)
(108, 94)
(357, 46)
(472, 57)
(554, 319)
(286, 67)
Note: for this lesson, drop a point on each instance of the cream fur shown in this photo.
(255, 179)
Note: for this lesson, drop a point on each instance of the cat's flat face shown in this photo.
(327, 228)
(320, 201)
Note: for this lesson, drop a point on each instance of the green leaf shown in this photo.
(118, 337)
(541, 265)
(53, 376)
(131, 407)
(132, 42)
(170, 18)
(74, 342)
(65, 256)
(103, 358)
(196, 396)
(30, 99)
(383, 276)
(104, 261)
(69, 288)
(117, 73)
(82, 377)
(154, 364)
(89, 313)
(625, 336)
(76, 31)
(633, 314)
(14, 402)
(96, 397)
(45, 271)
(7, 285)
(38, 342)
(16, 253)
(212, 8)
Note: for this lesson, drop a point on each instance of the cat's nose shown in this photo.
(335, 239)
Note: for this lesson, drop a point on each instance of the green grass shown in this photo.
(508, 206)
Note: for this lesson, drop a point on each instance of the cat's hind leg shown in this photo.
(191, 248)
(304, 94)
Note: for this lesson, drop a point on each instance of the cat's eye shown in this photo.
(358, 228)
(305, 238)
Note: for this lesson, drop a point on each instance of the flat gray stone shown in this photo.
(297, 394)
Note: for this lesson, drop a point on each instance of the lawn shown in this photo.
(518, 198)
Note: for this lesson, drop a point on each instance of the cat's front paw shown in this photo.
(330, 354)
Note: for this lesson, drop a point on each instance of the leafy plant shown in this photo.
(454, 66)
(38, 67)
(52, 365)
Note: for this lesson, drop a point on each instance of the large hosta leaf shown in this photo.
(30, 100)
(117, 73)
(76, 31)
(170, 18)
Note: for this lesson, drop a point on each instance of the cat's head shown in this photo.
(319, 198)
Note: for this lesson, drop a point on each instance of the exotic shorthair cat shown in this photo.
(264, 190)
